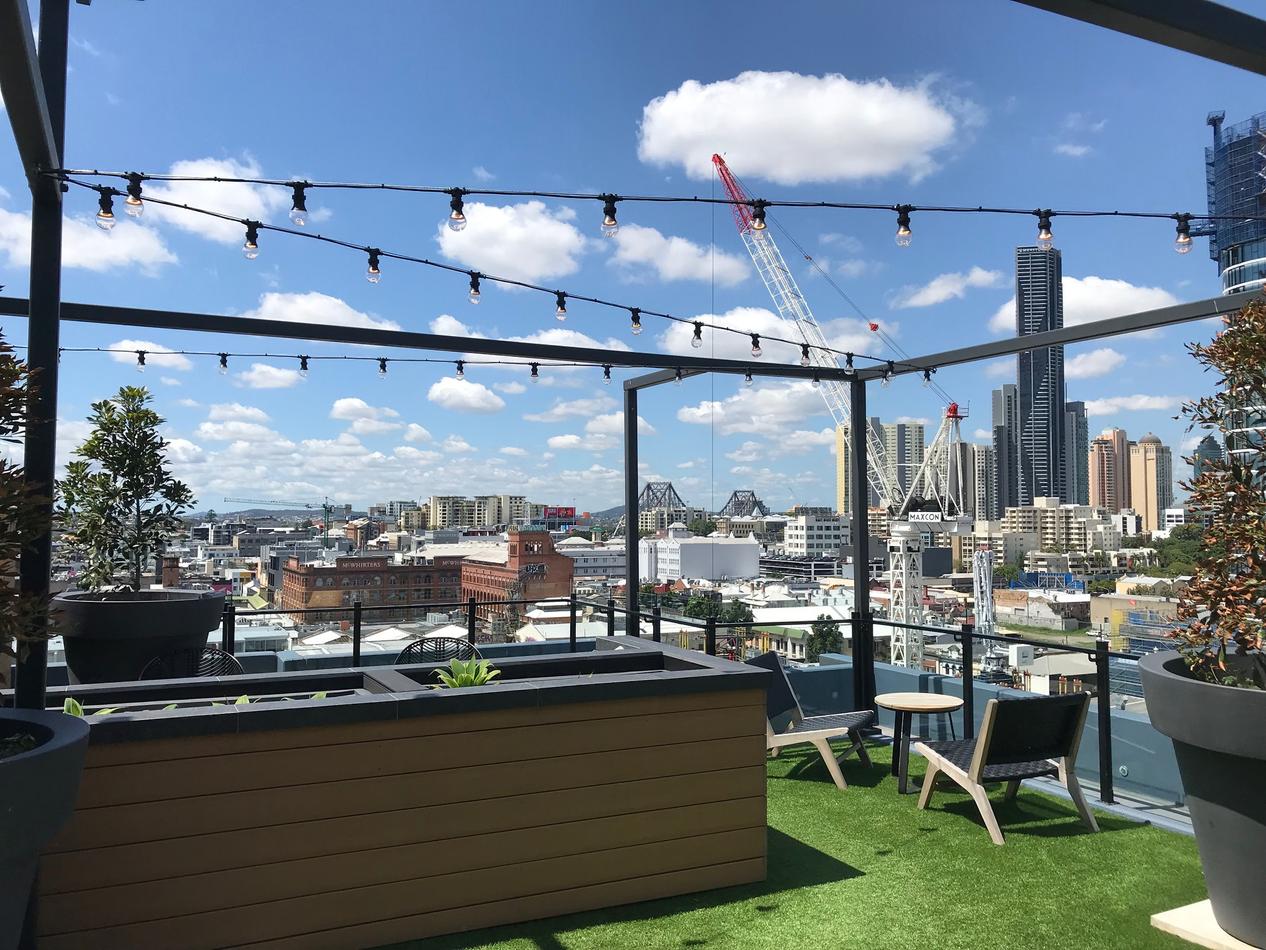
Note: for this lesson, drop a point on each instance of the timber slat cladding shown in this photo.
(158, 781)
(416, 895)
(199, 893)
(175, 857)
(166, 750)
(394, 830)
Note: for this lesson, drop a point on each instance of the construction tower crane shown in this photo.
(327, 510)
(934, 502)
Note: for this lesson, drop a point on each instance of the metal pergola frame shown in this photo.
(34, 90)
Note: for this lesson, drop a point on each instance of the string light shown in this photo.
(697, 340)
(560, 310)
(756, 350)
(382, 367)
(133, 205)
(474, 287)
(251, 247)
(677, 377)
(904, 234)
(105, 212)
(140, 361)
(816, 381)
(1182, 243)
(303, 367)
(1045, 239)
(758, 214)
(456, 215)
(536, 372)
(299, 204)
(606, 375)
(636, 327)
(848, 360)
(747, 379)
(373, 273)
(224, 364)
(610, 226)
(927, 378)
(804, 354)
(888, 373)
(461, 369)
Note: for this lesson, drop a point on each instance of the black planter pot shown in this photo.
(37, 795)
(109, 637)
(1219, 735)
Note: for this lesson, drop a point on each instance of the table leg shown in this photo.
(896, 740)
(950, 717)
(903, 775)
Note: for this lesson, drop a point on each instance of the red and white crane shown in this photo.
(934, 501)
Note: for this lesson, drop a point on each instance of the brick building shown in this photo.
(528, 568)
(373, 580)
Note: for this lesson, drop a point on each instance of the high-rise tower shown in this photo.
(1076, 454)
(1039, 306)
(1006, 449)
(1235, 176)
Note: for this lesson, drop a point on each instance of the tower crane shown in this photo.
(327, 510)
(934, 501)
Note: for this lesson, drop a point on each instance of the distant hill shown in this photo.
(610, 514)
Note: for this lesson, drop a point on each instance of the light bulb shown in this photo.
(251, 247)
(1182, 243)
(224, 364)
(456, 221)
(804, 355)
(636, 327)
(816, 382)
(456, 216)
(536, 372)
(756, 350)
(609, 224)
(747, 379)
(887, 381)
(303, 367)
(904, 234)
(697, 340)
(373, 273)
(134, 206)
(461, 369)
(140, 361)
(560, 311)
(1045, 239)
(606, 375)
(250, 250)
(298, 217)
(298, 204)
(382, 368)
(677, 378)
(105, 220)
(474, 288)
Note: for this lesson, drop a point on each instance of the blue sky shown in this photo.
(958, 103)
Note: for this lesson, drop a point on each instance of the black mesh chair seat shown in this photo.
(181, 664)
(439, 650)
(840, 721)
(960, 753)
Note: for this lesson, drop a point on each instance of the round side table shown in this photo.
(907, 706)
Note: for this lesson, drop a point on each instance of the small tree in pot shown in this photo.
(41, 753)
(118, 503)
(1210, 695)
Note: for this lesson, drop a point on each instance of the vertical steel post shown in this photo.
(43, 340)
(656, 634)
(356, 629)
(969, 684)
(610, 616)
(863, 631)
(631, 571)
(571, 622)
(470, 619)
(228, 627)
(1103, 701)
(710, 636)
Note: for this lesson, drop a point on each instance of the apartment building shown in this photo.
(1063, 527)
(819, 534)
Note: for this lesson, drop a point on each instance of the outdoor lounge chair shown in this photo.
(438, 650)
(208, 661)
(787, 724)
(1019, 738)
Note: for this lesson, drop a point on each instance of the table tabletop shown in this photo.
(919, 702)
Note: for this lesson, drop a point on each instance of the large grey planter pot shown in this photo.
(1219, 735)
(37, 795)
(109, 637)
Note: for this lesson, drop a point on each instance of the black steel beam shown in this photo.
(407, 339)
(863, 647)
(660, 377)
(1113, 326)
(632, 575)
(1200, 27)
(36, 134)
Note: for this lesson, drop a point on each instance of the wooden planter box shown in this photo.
(398, 812)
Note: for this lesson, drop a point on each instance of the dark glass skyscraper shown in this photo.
(1039, 306)
(1006, 450)
(1235, 173)
(1076, 454)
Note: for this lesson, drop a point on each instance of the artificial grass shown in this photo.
(865, 869)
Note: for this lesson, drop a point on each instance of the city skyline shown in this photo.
(263, 430)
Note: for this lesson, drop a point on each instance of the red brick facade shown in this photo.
(374, 581)
(532, 564)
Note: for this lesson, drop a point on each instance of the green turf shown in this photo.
(865, 869)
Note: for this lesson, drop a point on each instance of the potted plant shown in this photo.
(1209, 695)
(41, 753)
(118, 503)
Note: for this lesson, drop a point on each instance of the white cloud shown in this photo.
(1098, 362)
(765, 410)
(373, 426)
(87, 247)
(945, 287)
(613, 424)
(456, 445)
(983, 434)
(264, 376)
(482, 174)
(527, 241)
(223, 411)
(316, 308)
(1111, 405)
(461, 395)
(236, 430)
(913, 420)
(1087, 299)
(801, 441)
(565, 442)
(155, 354)
(170, 381)
(640, 250)
(510, 389)
(513, 450)
(184, 452)
(846, 335)
(1001, 369)
(554, 336)
(353, 407)
(409, 454)
(747, 452)
(791, 128)
(417, 433)
(575, 407)
(250, 202)
(1072, 150)
(189, 403)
